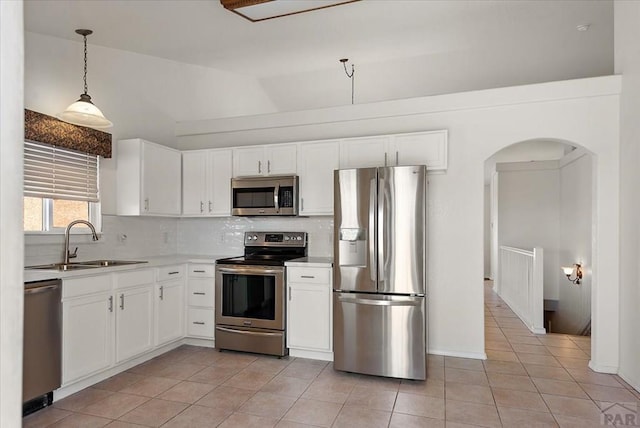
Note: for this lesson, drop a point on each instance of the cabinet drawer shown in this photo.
(201, 292)
(204, 271)
(170, 272)
(134, 278)
(200, 322)
(74, 287)
(309, 275)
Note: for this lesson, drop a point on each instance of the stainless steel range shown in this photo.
(251, 293)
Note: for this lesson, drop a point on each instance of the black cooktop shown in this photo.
(270, 249)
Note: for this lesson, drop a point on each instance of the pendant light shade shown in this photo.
(83, 112)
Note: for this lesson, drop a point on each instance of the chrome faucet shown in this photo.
(68, 254)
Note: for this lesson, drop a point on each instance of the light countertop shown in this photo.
(310, 262)
(154, 261)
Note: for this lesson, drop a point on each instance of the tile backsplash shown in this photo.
(132, 237)
(225, 235)
(122, 238)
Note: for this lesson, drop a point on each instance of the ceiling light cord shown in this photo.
(86, 88)
(350, 76)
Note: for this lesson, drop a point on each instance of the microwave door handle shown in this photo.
(276, 194)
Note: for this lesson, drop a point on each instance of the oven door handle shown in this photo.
(243, 270)
(246, 332)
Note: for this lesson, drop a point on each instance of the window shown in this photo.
(60, 185)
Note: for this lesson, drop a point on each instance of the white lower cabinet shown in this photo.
(201, 300)
(87, 335)
(134, 322)
(170, 304)
(309, 312)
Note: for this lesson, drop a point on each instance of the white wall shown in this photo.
(627, 55)
(11, 286)
(143, 96)
(487, 231)
(528, 213)
(574, 245)
(480, 124)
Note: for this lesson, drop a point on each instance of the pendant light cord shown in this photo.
(85, 64)
(350, 76)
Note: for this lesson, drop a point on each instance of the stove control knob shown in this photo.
(249, 238)
(255, 237)
(286, 238)
(299, 238)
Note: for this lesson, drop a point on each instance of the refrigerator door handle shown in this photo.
(373, 265)
(382, 231)
(409, 301)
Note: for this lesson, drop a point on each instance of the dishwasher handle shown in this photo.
(36, 290)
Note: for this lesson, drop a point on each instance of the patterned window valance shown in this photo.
(41, 128)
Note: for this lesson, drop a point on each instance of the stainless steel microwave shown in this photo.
(274, 195)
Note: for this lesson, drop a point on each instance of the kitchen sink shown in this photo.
(106, 263)
(62, 266)
(85, 265)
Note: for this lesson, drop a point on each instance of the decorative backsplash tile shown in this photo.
(134, 237)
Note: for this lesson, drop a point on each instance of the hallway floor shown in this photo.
(528, 380)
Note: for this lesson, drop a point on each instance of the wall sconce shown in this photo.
(576, 270)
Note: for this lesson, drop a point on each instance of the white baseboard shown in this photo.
(473, 355)
(313, 355)
(602, 368)
(635, 383)
(535, 330)
(196, 341)
(86, 382)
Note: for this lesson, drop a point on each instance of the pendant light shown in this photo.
(83, 112)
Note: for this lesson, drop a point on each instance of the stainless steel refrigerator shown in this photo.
(380, 271)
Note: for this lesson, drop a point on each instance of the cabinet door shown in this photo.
(364, 152)
(248, 162)
(160, 180)
(134, 322)
(423, 148)
(87, 335)
(281, 159)
(219, 163)
(309, 316)
(170, 309)
(193, 183)
(316, 162)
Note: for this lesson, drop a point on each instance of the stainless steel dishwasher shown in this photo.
(42, 358)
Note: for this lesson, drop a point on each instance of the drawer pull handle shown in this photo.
(199, 293)
(174, 272)
(162, 292)
(110, 303)
(198, 322)
(198, 271)
(122, 302)
(307, 276)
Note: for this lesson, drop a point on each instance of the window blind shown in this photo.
(57, 173)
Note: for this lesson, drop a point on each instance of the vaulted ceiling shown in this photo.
(400, 48)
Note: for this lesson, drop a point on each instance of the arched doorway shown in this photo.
(540, 194)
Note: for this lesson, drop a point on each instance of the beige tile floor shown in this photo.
(528, 380)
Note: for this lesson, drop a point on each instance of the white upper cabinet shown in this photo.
(363, 152)
(419, 148)
(277, 159)
(206, 182)
(316, 162)
(149, 179)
